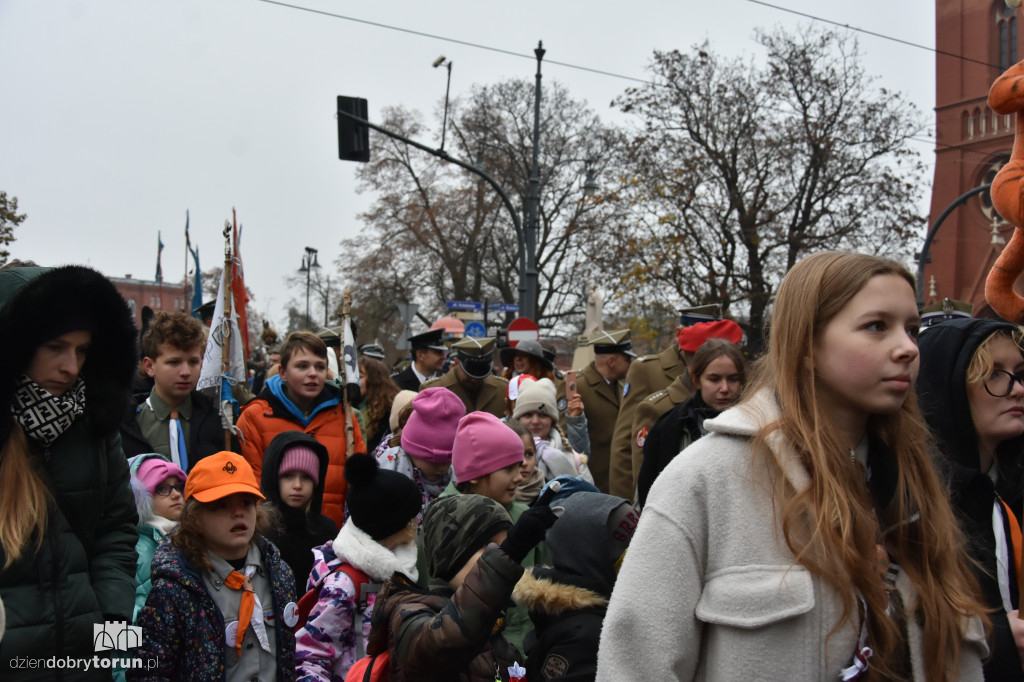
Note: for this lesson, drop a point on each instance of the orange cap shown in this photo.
(220, 475)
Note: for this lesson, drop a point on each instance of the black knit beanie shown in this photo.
(380, 502)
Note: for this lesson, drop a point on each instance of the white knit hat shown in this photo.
(536, 396)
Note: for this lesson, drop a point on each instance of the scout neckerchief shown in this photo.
(43, 416)
(250, 611)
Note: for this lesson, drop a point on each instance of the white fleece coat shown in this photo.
(709, 591)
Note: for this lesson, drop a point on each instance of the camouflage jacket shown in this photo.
(445, 635)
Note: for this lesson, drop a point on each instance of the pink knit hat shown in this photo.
(154, 470)
(430, 431)
(483, 445)
(301, 458)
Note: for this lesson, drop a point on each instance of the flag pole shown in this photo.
(225, 357)
(346, 308)
(188, 249)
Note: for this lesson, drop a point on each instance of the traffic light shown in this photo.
(353, 138)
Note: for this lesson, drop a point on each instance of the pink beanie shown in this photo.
(154, 470)
(301, 458)
(483, 445)
(430, 431)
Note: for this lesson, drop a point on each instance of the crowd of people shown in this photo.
(846, 506)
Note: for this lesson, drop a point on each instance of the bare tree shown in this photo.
(736, 170)
(9, 219)
(436, 232)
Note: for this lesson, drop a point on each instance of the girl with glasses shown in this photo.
(972, 398)
(159, 487)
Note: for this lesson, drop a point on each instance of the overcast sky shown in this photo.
(118, 115)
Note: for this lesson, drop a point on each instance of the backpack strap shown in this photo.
(364, 588)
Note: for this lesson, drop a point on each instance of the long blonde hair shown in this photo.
(24, 498)
(831, 527)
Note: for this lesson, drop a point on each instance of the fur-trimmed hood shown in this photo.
(33, 301)
(542, 592)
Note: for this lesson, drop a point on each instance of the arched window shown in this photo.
(1006, 30)
(981, 118)
(965, 125)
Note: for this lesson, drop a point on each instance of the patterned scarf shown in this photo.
(43, 416)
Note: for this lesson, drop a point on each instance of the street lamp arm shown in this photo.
(923, 257)
(525, 306)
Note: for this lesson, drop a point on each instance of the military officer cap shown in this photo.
(372, 350)
(433, 339)
(947, 310)
(475, 355)
(205, 311)
(700, 313)
(617, 341)
(331, 336)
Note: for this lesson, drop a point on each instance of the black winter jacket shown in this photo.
(300, 530)
(946, 351)
(83, 572)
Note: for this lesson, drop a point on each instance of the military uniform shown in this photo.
(475, 357)
(650, 410)
(601, 405)
(647, 375)
(490, 398)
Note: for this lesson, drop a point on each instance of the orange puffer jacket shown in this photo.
(272, 413)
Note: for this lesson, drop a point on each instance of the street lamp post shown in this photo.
(309, 262)
(443, 61)
(533, 201)
(925, 254)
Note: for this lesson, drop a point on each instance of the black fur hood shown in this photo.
(33, 302)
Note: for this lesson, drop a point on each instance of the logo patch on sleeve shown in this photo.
(554, 666)
(641, 436)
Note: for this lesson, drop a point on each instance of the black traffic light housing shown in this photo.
(353, 138)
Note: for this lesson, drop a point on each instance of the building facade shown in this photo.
(976, 40)
(160, 296)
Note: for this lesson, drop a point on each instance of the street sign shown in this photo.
(464, 305)
(503, 307)
(522, 329)
(407, 311)
(476, 329)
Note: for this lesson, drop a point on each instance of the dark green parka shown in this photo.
(83, 572)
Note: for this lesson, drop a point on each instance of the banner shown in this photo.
(210, 375)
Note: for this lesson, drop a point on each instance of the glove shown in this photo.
(354, 395)
(562, 487)
(529, 531)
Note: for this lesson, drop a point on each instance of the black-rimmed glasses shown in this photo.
(164, 489)
(1000, 382)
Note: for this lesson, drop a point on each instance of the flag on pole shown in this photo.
(349, 355)
(159, 253)
(241, 296)
(221, 329)
(197, 288)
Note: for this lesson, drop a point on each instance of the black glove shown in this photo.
(354, 395)
(529, 531)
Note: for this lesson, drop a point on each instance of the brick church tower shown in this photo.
(972, 143)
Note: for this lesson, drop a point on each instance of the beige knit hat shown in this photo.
(536, 396)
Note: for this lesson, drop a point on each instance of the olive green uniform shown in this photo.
(647, 375)
(490, 397)
(601, 405)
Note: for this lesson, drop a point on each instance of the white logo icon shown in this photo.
(116, 635)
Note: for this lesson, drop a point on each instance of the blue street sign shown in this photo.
(464, 305)
(476, 329)
(503, 307)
